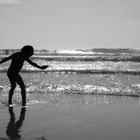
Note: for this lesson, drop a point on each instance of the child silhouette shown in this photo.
(17, 60)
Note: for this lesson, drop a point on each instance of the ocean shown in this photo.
(76, 73)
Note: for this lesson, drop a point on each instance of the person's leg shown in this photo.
(22, 86)
(13, 86)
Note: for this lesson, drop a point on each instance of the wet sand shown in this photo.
(116, 118)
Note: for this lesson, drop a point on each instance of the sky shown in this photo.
(70, 24)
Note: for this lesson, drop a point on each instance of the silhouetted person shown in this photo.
(13, 128)
(17, 60)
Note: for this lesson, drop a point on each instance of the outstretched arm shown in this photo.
(5, 59)
(36, 65)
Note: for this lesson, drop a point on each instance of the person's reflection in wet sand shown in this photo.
(13, 127)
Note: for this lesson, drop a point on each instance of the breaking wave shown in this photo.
(98, 57)
(45, 88)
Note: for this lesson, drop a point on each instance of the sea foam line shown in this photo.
(45, 88)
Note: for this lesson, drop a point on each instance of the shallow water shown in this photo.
(52, 88)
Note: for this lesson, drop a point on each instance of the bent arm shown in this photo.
(33, 64)
(5, 59)
(36, 65)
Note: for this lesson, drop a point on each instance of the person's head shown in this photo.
(27, 50)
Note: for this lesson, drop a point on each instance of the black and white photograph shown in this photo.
(69, 69)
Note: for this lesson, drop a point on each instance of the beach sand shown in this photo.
(111, 118)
